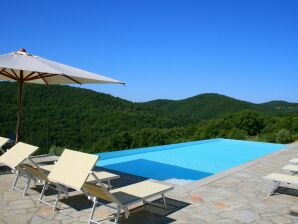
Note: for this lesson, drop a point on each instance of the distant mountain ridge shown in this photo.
(212, 105)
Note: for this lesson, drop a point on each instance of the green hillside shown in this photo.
(85, 120)
(209, 106)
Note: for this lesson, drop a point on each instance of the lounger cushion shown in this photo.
(73, 169)
(129, 194)
(17, 154)
(140, 191)
(102, 176)
(294, 160)
(143, 189)
(284, 178)
(3, 141)
(291, 168)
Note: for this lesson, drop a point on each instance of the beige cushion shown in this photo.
(143, 189)
(284, 178)
(129, 194)
(291, 168)
(3, 141)
(102, 176)
(17, 154)
(294, 160)
(73, 168)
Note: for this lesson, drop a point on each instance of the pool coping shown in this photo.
(131, 152)
(207, 180)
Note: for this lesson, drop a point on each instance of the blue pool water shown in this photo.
(186, 162)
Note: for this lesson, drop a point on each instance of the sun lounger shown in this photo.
(72, 170)
(292, 168)
(3, 141)
(294, 160)
(279, 178)
(14, 158)
(124, 197)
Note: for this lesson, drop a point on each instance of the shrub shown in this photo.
(295, 137)
(283, 136)
(56, 150)
(237, 134)
(249, 121)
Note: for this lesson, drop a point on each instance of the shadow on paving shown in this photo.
(287, 191)
(146, 217)
(4, 169)
(290, 192)
(144, 214)
(49, 191)
(78, 202)
(152, 214)
(293, 213)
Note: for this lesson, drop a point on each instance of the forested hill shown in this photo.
(210, 106)
(86, 120)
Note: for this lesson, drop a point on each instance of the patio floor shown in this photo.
(234, 196)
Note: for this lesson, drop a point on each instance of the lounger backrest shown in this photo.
(17, 154)
(3, 141)
(99, 192)
(73, 168)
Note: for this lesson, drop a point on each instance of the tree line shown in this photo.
(58, 117)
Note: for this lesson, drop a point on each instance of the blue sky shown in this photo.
(171, 49)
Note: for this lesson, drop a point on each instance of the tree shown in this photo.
(237, 134)
(249, 121)
(283, 136)
(295, 125)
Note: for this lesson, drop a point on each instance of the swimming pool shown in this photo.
(186, 162)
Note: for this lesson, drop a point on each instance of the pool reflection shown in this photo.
(158, 171)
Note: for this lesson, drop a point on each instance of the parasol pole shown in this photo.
(20, 105)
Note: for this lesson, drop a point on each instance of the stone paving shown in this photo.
(235, 196)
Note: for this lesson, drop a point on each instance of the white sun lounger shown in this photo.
(72, 170)
(3, 141)
(279, 178)
(124, 197)
(292, 168)
(294, 160)
(14, 157)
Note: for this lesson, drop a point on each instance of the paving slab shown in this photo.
(235, 196)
